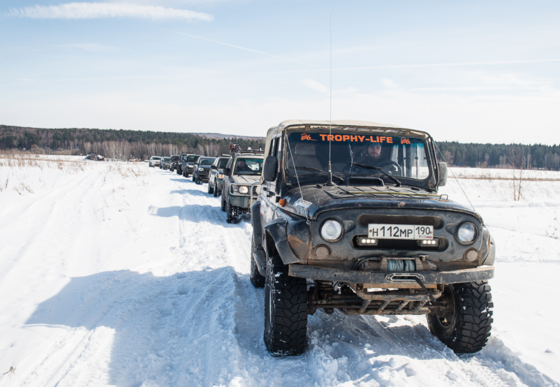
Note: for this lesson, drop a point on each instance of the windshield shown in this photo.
(166, 158)
(358, 153)
(192, 159)
(222, 163)
(247, 166)
(156, 158)
(206, 162)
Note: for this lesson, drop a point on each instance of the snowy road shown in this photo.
(119, 275)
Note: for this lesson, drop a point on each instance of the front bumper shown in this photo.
(482, 273)
(242, 201)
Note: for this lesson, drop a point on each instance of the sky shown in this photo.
(476, 71)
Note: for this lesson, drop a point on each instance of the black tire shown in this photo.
(466, 326)
(193, 179)
(230, 217)
(256, 278)
(178, 171)
(285, 310)
(215, 190)
(223, 204)
(210, 189)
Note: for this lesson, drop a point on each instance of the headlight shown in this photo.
(466, 233)
(200, 169)
(243, 190)
(220, 176)
(190, 166)
(331, 230)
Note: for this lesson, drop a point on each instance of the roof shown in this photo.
(353, 123)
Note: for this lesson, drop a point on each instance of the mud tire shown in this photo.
(285, 310)
(466, 328)
(215, 190)
(230, 217)
(223, 204)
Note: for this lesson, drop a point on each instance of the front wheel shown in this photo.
(215, 190)
(210, 188)
(231, 215)
(466, 324)
(178, 171)
(223, 204)
(285, 310)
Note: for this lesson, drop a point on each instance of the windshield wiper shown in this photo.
(311, 169)
(380, 170)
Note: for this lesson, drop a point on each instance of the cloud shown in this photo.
(106, 10)
(388, 83)
(313, 84)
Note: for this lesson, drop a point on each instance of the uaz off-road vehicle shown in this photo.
(365, 232)
(242, 174)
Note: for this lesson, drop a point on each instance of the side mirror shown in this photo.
(442, 174)
(227, 171)
(270, 168)
(213, 167)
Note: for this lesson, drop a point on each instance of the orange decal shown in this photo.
(389, 140)
(345, 137)
(361, 138)
(305, 136)
(323, 136)
(405, 141)
(337, 137)
(382, 139)
(330, 137)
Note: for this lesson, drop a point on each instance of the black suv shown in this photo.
(174, 162)
(216, 179)
(202, 169)
(187, 164)
(349, 218)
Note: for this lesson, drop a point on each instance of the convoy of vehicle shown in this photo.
(346, 216)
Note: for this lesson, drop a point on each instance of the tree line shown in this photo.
(124, 144)
(117, 144)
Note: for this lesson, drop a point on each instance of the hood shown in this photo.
(318, 199)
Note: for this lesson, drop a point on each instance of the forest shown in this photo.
(117, 144)
(127, 144)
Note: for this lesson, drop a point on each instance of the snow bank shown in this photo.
(116, 274)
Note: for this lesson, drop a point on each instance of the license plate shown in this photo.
(400, 231)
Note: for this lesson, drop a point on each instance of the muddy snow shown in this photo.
(117, 274)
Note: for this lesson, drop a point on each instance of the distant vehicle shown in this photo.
(187, 165)
(95, 157)
(154, 161)
(216, 178)
(201, 169)
(174, 162)
(241, 174)
(165, 163)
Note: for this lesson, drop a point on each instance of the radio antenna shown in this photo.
(330, 183)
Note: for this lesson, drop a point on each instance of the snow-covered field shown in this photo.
(117, 274)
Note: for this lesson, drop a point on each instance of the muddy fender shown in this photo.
(277, 230)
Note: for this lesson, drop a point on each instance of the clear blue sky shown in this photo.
(471, 71)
